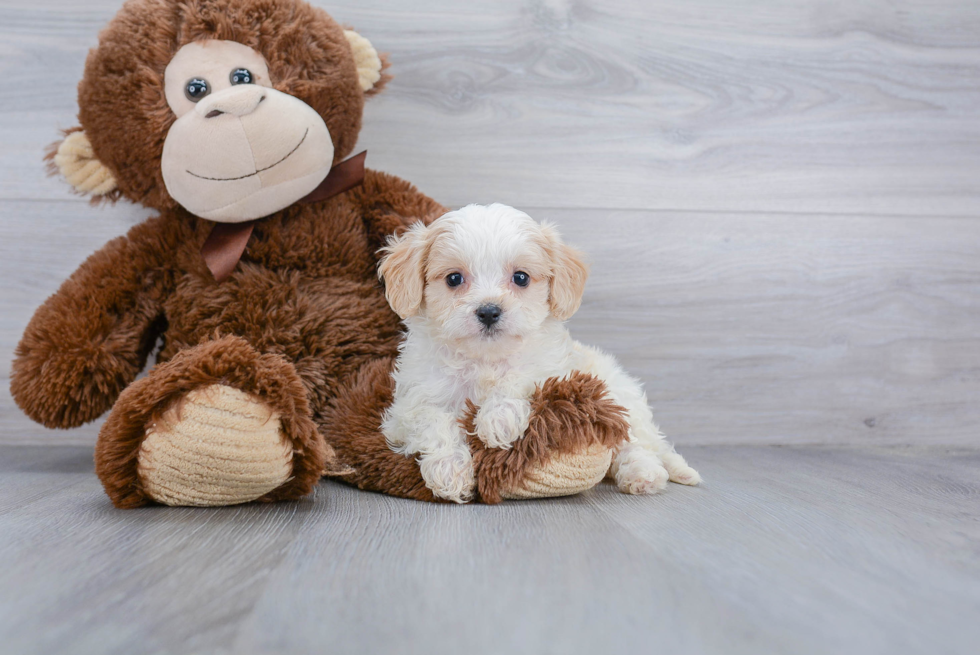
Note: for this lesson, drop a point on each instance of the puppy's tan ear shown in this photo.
(74, 159)
(569, 271)
(402, 268)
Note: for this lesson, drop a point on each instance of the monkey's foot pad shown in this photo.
(565, 474)
(216, 446)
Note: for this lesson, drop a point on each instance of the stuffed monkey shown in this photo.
(234, 121)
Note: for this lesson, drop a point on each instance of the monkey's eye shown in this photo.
(196, 88)
(241, 76)
(454, 279)
(522, 279)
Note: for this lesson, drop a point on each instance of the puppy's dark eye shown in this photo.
(522, 279)
(241, 76)
(454, 279)
(196, 88)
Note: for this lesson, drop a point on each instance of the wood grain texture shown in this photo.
(780, 201)
(863, 107)
(782, 550)
(799, 265)
(780, 329)
(109, 566)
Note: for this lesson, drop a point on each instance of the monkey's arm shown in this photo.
(89, 340)
(389, 204)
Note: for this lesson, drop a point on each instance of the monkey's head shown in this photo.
(233, 109)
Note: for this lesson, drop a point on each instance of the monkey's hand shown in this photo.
(89, 340)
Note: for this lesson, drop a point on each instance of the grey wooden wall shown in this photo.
(781, 197)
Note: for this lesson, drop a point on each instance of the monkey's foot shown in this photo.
(564, 474)
(567, 448)
(215, 446)
(218, 424)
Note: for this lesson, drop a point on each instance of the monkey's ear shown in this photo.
(74, 160)
(370, 65)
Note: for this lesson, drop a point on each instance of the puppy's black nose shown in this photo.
(488, 314)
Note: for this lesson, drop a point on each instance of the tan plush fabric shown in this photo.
(77, 163)
(210, 60)
(217, 447)
(565, 474)
(366, 59)
(262, 152)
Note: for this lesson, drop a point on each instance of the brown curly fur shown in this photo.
(305, 292)
(567, 415)
(353, 420)
(301, 323)
(230, 361)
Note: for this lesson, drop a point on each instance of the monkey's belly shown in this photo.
(328, 327)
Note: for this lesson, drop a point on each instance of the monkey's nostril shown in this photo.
(213, 113)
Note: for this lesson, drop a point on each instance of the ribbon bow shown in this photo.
(224, 246)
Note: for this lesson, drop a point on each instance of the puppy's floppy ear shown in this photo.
(568, 274)
(402, 268)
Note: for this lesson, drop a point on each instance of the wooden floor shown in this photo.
(782, 550)
(782, 205)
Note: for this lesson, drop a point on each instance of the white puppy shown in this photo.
(484, 292)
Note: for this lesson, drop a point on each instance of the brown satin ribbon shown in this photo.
(343, 177)
(224, 246)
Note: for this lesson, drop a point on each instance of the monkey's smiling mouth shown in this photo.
(242, 177)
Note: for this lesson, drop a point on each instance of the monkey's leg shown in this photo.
(569, 443)
(351, 426)
(219, 424)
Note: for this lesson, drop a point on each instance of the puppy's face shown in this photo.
(483, 275)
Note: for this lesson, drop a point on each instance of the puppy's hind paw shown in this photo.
(639, 471)
(642, 480)
(679, 471)
(685, 475)
(449, 476)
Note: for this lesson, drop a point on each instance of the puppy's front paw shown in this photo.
(450, 475)
(639, 471)
(501, 421)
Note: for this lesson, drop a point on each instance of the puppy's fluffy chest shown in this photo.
(482, 379)
(549, 353)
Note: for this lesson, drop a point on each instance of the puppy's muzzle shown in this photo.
(489, 314)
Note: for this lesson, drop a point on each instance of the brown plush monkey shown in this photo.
(232, 119)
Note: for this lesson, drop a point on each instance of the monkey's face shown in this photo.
(233, 109)
(239, 149)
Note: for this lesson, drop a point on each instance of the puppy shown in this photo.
(484, 292)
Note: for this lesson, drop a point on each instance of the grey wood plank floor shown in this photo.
(780, 201)
(782, 550)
